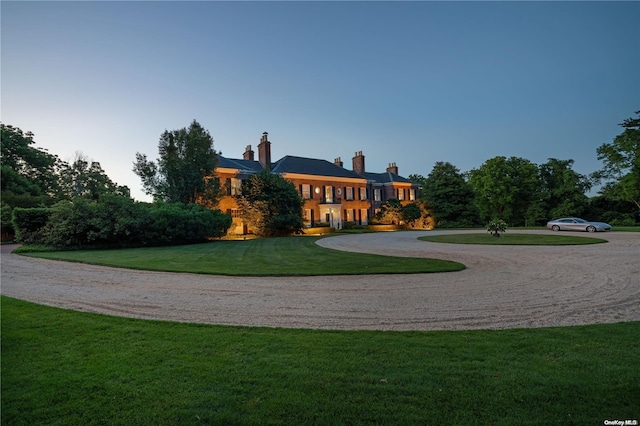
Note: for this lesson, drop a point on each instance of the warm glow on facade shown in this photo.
(332, 194)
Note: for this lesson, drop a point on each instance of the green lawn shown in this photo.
(261, 257)
(513, 239)
(68, 368)
(626, 229)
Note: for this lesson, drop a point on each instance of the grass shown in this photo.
(262, 257)
(66, 368)
(512, 239)
(626, 228)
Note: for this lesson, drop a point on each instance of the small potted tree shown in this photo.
(496, 226)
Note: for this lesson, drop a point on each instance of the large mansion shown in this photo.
(332, 193)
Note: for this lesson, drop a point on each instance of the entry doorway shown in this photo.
(332, 215)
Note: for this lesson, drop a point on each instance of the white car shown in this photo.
(577, 224)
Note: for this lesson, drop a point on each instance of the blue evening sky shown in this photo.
(406, 82)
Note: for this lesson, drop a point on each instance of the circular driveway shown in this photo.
(502, 287)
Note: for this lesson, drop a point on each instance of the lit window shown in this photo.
(364, 216)
(236, 185)
(377, 195)
(349, 215)
(363, 193)
(328, 194)
(306, 192)
(412, 194)
(400, 194)
(348, 195)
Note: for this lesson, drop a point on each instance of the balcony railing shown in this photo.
(336, 200)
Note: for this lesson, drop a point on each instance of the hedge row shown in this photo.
(28, 222)
(117, 221)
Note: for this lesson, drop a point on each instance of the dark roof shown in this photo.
(386, 177)
(231, 163)
(311, 166)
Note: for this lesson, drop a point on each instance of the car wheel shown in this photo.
(555, 228)
(591, 228)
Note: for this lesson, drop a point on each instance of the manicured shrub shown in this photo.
(6, 222)
(28, 223)
(183, 223)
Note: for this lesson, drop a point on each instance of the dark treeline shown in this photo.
(60, 204)
(526, 194)
(517, 191)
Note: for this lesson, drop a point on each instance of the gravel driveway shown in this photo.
(502, 287)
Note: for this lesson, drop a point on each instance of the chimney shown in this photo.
(264, 151)
(358, 163)
(338, 162)
(392, 168)
(248, 153)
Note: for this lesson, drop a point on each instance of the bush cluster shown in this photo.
(27, 223)
(118, 221)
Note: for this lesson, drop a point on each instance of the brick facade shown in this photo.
(333, 195)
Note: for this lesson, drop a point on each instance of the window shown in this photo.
(307, 215)
(234, 213)
(349, 215)
(377, 195)
(412, 194)
(364, 219)
(328, 194)
(363, 194)
(236, 185)
(400, 194)
(306, 192)
(348, 194)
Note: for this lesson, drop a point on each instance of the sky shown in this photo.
(407, 82)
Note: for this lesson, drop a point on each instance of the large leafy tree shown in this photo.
(421, 181)
(449, 196)
(621, 158)
(183, 172)
(271, 205)
(612, 211)
(31, 177)
(509, 189)
(563, 189)
(85, 178)
(26, 169)
(28, 175)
